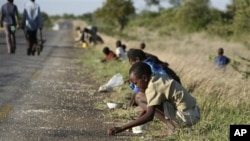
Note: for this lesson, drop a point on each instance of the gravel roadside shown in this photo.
(57, 104)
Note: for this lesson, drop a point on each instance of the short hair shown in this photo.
(133, 54)
(220, 51)
(124, 46)
(139, 69)
(118, 43)
(106, 50)
(142, 46)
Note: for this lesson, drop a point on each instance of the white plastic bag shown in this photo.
(115, 81)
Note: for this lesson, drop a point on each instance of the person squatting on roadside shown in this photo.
(162, 97)
(137, 55)
(119, 51)
(9, 20)
(32, 21)
(82, 37)
(109, 54)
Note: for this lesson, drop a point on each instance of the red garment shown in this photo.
(111, 56)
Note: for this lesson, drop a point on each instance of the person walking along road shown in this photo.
(9, 20)
(32, 21)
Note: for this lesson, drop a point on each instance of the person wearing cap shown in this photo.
(9, 21)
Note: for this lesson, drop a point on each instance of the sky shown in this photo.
(79, 7)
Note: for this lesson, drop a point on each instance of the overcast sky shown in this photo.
(78, 7)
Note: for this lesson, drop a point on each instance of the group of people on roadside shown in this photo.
(31, 23)
(120, 52)
(156, 90)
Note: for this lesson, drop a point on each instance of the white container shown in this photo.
(138, 129)
(114, 105)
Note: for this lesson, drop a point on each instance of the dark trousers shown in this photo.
(31, 40)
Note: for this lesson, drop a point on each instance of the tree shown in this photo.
(175, 3)
(117, 10)
(154, 2)
(46, 20)
(241, 17)
(194, 15)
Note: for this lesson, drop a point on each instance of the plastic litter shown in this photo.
(115, 81)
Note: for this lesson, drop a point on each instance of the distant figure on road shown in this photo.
(221, 60)
(9, 20)
(32, 21)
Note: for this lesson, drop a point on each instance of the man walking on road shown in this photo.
(32, 21)
(9, 20)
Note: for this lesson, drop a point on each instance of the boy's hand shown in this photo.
(114, 130)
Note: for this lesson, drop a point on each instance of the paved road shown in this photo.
(51, 95)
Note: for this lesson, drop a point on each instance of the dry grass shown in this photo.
(4, 111)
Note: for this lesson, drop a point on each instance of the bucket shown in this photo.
(84, 45)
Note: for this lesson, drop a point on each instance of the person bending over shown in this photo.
(163, 96)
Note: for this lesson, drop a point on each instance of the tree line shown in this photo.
(183, 15)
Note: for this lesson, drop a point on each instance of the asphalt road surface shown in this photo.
(52, 95)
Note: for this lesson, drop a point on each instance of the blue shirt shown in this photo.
(154, 68)
(221, 61)
(8, 13)
(32, 16)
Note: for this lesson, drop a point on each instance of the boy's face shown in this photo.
(141, 83)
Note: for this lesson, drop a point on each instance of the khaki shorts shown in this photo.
(186, 118)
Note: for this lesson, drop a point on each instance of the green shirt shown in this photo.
(161, 88)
